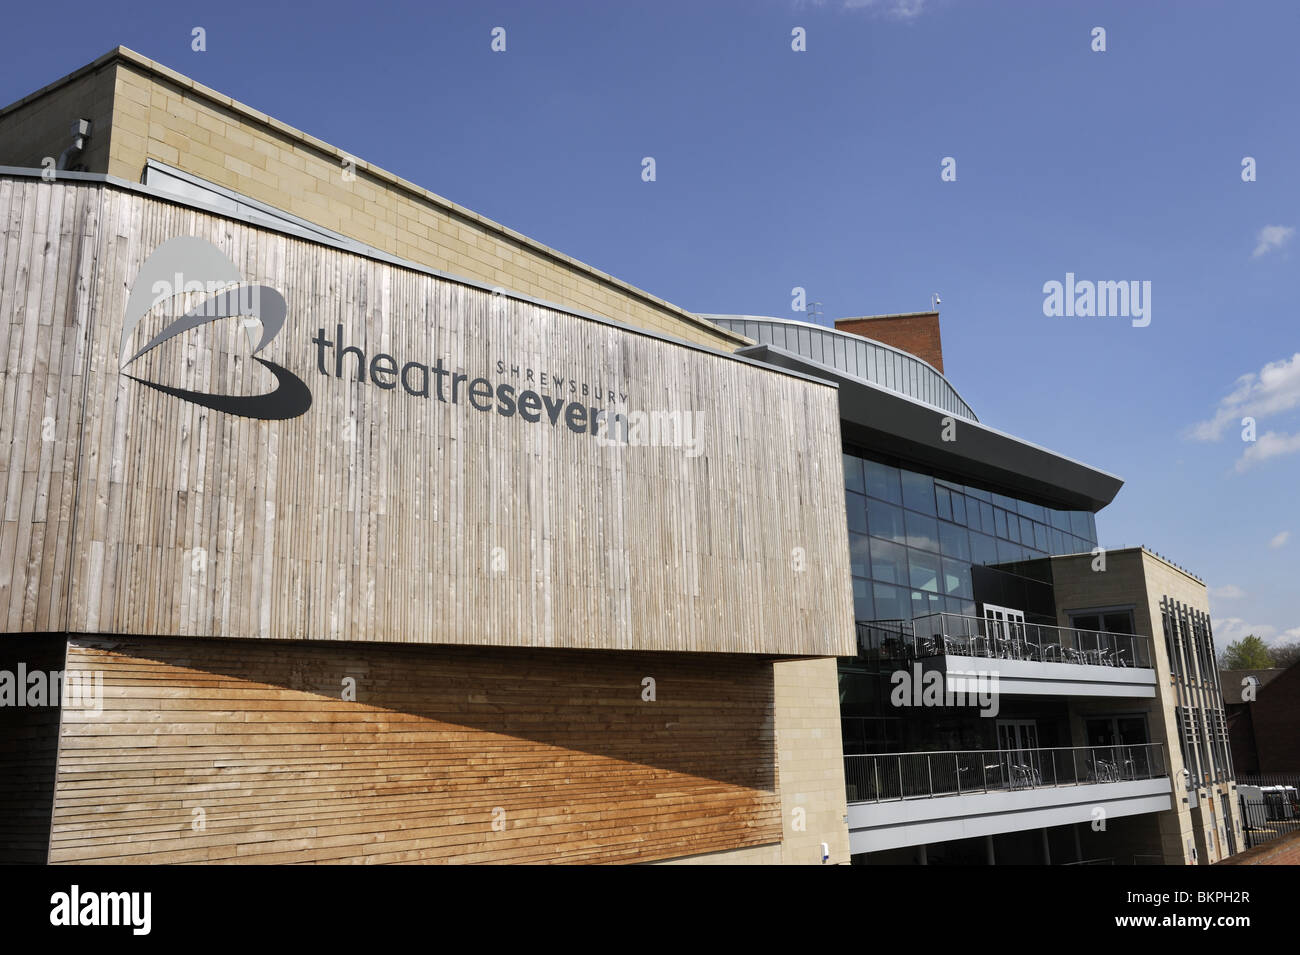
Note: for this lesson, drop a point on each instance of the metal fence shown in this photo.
(962, 635)
(1270, 806)
(894, 776)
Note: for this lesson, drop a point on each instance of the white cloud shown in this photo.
(1269, 445)
(892, 9)
(1227, 592)
(1279, 540)
(1273, 389)
(1231, 629)
(1272, 237)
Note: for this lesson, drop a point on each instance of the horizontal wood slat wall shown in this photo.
(379, 516)
(256, 734)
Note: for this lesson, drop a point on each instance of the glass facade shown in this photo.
(913, 538)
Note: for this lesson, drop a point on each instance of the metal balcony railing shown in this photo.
(896, 776)
(938, 634)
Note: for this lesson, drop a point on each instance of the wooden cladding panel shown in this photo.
(380, 516)
(47, 264)
(256, 735)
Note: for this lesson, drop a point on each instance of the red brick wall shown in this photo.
(1275, 715)
(916, 334)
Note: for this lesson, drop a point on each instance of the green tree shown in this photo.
(1248, 653)
(1285, 654)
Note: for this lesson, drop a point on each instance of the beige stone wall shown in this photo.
(1136, 578)
(157, 113)
(756, 855)
(810, 761)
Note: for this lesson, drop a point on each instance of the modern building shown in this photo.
(345, 525)
(1007, 702)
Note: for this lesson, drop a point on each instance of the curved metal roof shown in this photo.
(871, 361)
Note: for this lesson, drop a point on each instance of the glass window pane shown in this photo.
(1059, 519)
(882, 482)
(892, 603)
(956, 579)
(944, 503)
(888, 562)
(924, 602)
(1034, 512)
(1000, 522)
(918, 492)
(1079, 523)
(954, 541)
(1008, 551)
(853, 473)
(859, 561)
(986, 518)
(922, 532)
(885, 520)
(959, 508)
(1026, 531)
(863, 606)
(924, 571)
(856, 506)
(983, 549)
(1004, 502)
(1119, 622)
(1041, 540)
(978, 494)
(1058, 542)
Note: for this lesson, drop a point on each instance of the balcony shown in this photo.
(1025, 658)
(901, 799)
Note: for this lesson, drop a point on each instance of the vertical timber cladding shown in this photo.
(382, 515)
(242, 751)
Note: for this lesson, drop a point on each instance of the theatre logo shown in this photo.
(190, 265)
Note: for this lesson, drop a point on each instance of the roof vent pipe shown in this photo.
(80, 133)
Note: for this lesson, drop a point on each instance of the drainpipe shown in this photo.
(80, 133)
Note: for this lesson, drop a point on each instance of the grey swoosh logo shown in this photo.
(162, 277)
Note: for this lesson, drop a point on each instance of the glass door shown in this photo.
(1120, 746)
(1018, 741)
(1005, 630)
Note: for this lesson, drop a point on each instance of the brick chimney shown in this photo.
(916, 333)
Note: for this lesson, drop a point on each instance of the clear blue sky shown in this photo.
(821, 169)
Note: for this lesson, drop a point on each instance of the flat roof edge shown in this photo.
(356, 248)
(997, 457)
(125, 54)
